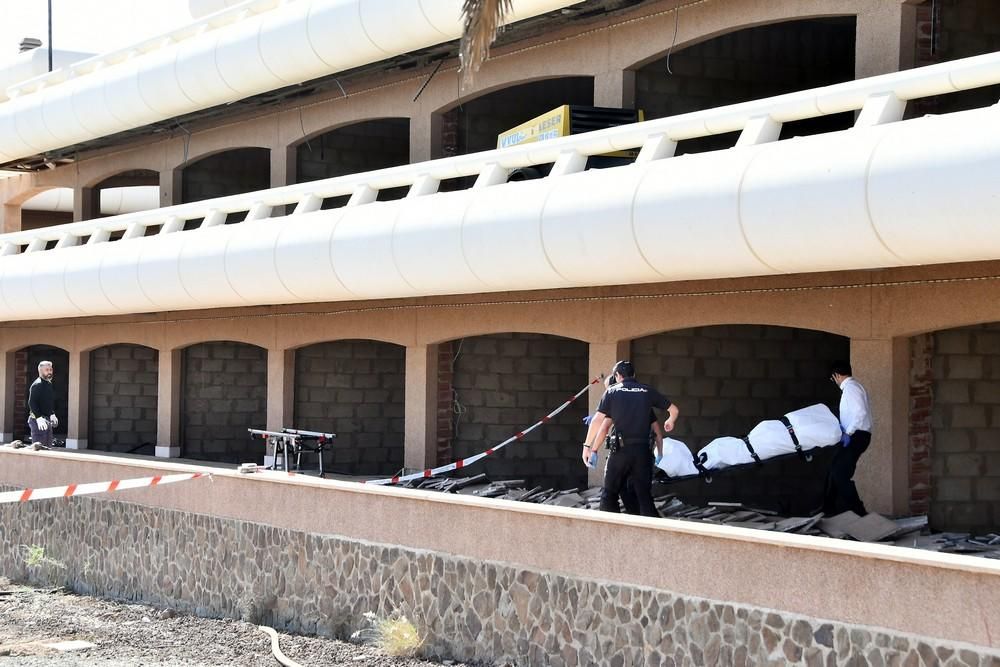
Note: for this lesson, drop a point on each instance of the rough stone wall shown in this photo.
(228, 173)
(353, 149)
(965, 460)
(503, 383)
(726, 379)
(123, 392)
(354, 388)
(224, 394)
(750, 64)
(467, 609)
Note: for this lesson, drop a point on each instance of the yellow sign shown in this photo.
(549, 125)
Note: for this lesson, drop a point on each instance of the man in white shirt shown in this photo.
(856, 423)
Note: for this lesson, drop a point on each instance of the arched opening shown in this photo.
(226, 173)
(954, 428)
(473, 125)
(750, 64)
(123, 395)
(492, 387)
(126, 192)
(51, 207)
(224, 393)
(353, 388)
(725, 380)
(26, 362)
(360, 147)
(949, 31)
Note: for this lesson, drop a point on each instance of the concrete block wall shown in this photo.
(965, 460)
(227, 173)
(123, 395)
(503, 383)
(726, 379)
(746, 65)
(224, 391)
(353, 149)
(353, 388)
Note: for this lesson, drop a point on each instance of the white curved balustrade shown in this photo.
(251, 48)
(883, 193)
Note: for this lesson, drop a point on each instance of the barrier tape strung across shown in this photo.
(95, 487)
(461, 463)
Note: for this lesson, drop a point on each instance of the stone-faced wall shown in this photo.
(367, 146)
(224, 394)
(123, 392)
(467, 609)
(965, 456)
(747, 65)
(227, 173)
(726, 379)
(503, 383)
(353, 388)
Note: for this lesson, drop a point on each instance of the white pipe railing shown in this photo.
(879, 100)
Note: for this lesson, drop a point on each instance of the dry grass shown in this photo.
(395, 635)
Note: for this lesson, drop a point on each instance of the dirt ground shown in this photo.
(132, 634)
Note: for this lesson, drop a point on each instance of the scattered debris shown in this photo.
(909, 531)
(71, 645)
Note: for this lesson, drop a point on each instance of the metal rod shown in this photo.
(50, 35)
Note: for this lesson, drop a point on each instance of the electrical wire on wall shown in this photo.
(673, 40)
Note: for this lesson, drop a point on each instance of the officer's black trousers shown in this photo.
(841, 493)
(635, 463)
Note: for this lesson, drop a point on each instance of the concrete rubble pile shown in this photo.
(910, 531)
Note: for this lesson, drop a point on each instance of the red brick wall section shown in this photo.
(445, 401)
(920, 428)
(21, 394)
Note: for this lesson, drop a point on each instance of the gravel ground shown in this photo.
(132, 634)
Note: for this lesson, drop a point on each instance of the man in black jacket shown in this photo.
(42, 404)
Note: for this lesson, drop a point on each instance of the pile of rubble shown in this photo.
(910, 532)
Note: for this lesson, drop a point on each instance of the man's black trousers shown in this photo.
(631, 462)
(841, 493)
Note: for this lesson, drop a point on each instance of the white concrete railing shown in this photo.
(883, 193)
(880, 99)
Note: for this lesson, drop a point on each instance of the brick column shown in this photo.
(7, 411)
(168, 404)
(921, 435)
(601, 359)
(20, 414)
(280, 388)
(882, 366)
(445, 389)
(78, 409)
(420, 407)
(422, 130)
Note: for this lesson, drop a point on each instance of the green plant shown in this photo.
(394, 635)
(49, 569)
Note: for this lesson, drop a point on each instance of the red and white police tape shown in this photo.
(95, 487)
(461, 463)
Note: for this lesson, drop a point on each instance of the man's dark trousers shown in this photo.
(841, 493)
(37, 435)
(635, 462)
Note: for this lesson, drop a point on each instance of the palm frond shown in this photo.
(481, 19)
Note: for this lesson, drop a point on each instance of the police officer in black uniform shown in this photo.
(626, 405)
